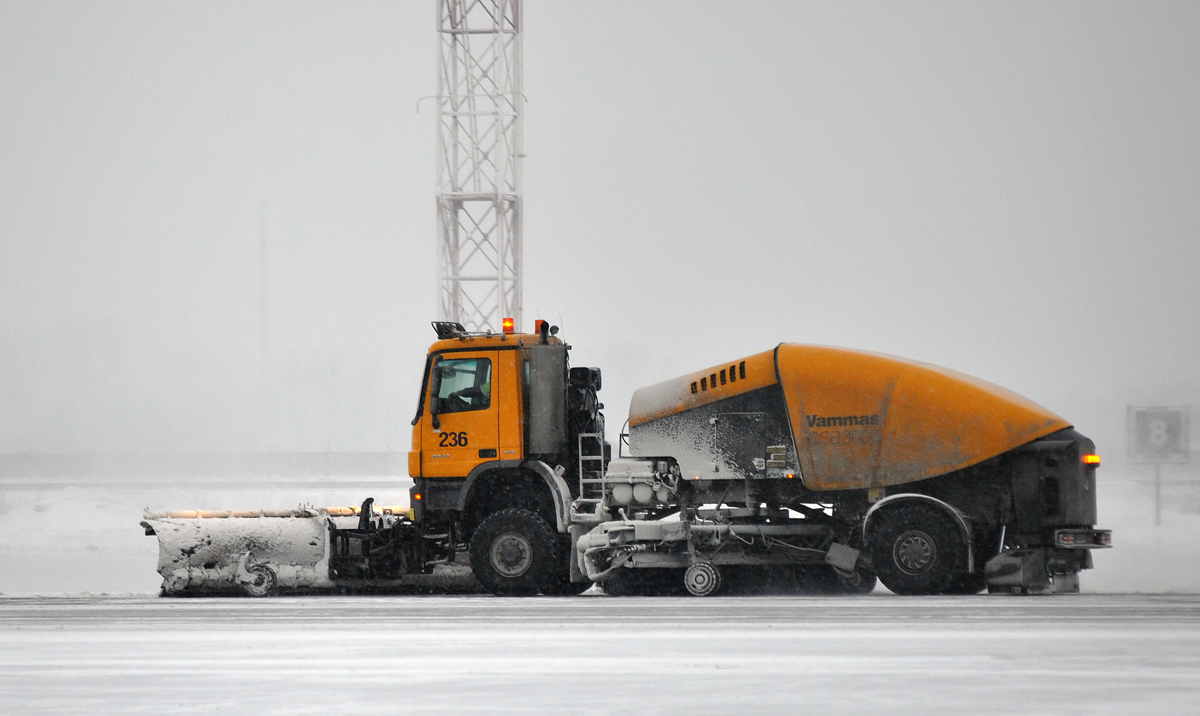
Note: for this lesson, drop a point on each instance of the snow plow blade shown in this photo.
(260, 553)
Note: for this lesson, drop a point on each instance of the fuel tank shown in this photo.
(833, 417)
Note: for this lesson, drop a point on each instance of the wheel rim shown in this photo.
(511, 555)
(914, 552)
(702, 579)
(263, 582)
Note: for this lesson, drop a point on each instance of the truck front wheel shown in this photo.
(513, 552)
(917, 549)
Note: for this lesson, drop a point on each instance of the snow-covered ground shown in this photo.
(880, 654)
(1092, 653)
(75, 540)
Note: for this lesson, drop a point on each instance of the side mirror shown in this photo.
(435, 386)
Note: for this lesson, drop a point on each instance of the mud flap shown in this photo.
(578, 575)
(1016, 570)
(1025, 571)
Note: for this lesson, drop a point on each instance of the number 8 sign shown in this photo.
(1158, 434)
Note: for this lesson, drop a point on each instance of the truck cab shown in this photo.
(497, 440)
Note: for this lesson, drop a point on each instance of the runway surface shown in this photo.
(879, 654)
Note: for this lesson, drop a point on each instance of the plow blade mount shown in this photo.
(262, 552)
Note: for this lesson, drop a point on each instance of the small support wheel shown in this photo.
(702, 579)
(262, 582)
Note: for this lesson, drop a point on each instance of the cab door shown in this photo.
(461, 425)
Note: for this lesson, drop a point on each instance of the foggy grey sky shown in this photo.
(1007, 190)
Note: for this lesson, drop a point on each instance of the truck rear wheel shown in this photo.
(513, 552)
(917, 549)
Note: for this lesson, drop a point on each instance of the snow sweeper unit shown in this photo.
(805, 468)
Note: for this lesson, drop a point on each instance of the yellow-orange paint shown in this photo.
(863, 420)
(931, 420)
(678, 395)
(499, 428)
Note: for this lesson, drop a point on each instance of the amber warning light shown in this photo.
(508, 325)
(1091, 460)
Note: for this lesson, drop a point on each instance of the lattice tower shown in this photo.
(479, 162)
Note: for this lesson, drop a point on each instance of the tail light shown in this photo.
(1091, 460)
(1082, 538)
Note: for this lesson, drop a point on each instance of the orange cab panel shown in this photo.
(460, 426)
(507, 388)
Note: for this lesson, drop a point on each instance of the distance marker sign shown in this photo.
(1158, 434)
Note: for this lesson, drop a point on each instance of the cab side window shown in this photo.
(464, 384)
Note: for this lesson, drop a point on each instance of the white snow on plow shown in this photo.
(209, 554)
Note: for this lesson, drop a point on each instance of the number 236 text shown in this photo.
(452, 439)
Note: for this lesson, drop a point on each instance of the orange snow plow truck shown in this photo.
(804, 468)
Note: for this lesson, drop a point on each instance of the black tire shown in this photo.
(702, 579)
(918, 549)
(513, 553)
